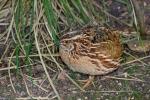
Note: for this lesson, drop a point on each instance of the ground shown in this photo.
(129, 82)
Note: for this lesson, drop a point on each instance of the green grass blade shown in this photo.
(82, 10)
(17, 51)
(52, 20)
(70, 13)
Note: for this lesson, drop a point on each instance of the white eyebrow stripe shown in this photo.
(72, 32)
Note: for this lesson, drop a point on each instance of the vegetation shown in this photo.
(30, 32)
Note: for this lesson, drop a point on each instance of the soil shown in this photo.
(129, 82)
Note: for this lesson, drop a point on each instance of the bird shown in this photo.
(91, 50)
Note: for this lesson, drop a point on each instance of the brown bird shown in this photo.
(92, 50)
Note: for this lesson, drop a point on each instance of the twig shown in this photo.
(10, 74)
(138, 12)
(135, 58)
(128, 79)
(35, 55)
(36, 84)
(26, 84)
(108, 91)
(42, 61)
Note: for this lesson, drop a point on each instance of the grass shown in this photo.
(33, 30)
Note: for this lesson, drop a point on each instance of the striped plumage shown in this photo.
(91, 50)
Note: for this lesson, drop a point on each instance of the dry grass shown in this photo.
(30, 59)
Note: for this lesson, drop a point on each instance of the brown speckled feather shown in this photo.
(91, 50)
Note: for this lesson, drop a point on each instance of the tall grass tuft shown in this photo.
(24, 16)
(52, 20)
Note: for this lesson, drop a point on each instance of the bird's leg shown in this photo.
(87, 81)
